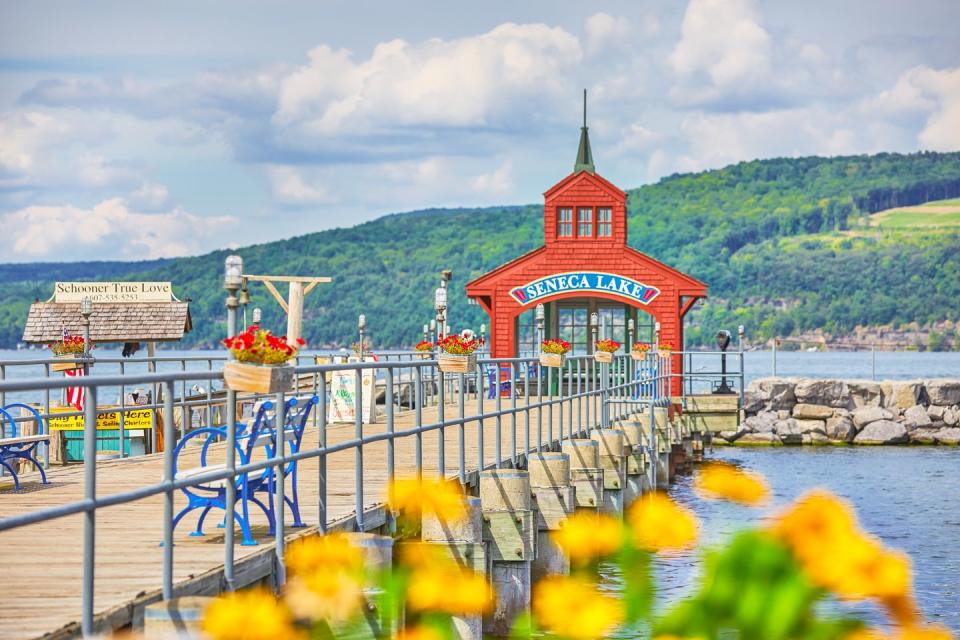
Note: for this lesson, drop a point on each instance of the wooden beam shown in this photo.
(685, 306)
(276, 295)
(319, 280)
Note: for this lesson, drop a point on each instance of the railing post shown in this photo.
(461, 430)
(478, 387)
(90, 515)
(391, 444)
(441, 432)
(321, 382)
(168, 448)
(418, 378)
(279, 480)
(358, 451)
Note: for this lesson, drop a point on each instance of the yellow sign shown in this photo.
(109, 420)
(74, 292)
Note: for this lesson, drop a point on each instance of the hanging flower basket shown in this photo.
(664, 349)
(424, 349)
(553, 352)
(640, 350)
(457, 354)
(604, 350)
(261, 362)
(69, 349)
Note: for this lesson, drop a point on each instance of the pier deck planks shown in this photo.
(42, 563)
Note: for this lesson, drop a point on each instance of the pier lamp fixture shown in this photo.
(257, 315)
(440, 305)
(483, 332)
(723, 341)
(629, 333)
(362, 325)
(232, 282)
(426, 332)
(244, 300)
(86, 310)
(656, 335)
(541, 315)
(433, 330)
(594, 323)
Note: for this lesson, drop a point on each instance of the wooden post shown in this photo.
(463, 540)
(294, 312)
(586, 476)
(510, 529)
(554, 499)
(612, 462)
(378, 621)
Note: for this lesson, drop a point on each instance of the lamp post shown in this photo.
(723, 341)
(426, 331)
(244, 300)
(86, 310)
(656, 335)
(440, 306)
(256, 315)
(540, 315)
(483, 333)
(362, 324)
(594, 321)
(433, 330)
(232, 282)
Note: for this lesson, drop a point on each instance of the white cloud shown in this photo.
(723, 40)
(150, 195)
(604, 31)
(290, 187)
(497, 182)
(931, 96)
(109, 228)
(479, 81)
(23, 134)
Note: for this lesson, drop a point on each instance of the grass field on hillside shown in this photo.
(932, 215)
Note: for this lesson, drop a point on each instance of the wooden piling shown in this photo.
(612, 461)
(554, 501)
(586, 476)
(510, 531)
(463, 541)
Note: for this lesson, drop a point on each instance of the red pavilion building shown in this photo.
(585, 267)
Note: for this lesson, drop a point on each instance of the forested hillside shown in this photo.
(785, 245)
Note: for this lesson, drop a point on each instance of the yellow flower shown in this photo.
(932, 632)
(420, 632)
(865, 634)
(572, 607)
(324, 595)
(722, 480)
(438, 497)
(248, 615)
(330, 553)
(660, 524)
(449, 588)
(824, 536)
(584, 537)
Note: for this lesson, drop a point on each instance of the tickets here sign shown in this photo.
(107, 420)
(342, 401)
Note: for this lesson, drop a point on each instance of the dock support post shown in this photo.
(586, 476)
(611, 458)
(554, 499)
(510, 529)
(379, 622)
(636, 481)
(463, 541)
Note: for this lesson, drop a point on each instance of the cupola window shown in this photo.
(564, 222)
(585, 223)
(604, 222)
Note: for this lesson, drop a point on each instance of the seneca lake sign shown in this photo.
(585, 281)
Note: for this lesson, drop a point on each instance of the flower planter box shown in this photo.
(424, 355)
(453, 363)
(555, 360)
(664, 353)
(68, 364)
(639, 355)
(257, 378)
(604, 357)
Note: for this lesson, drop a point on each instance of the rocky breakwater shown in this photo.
(797, 411)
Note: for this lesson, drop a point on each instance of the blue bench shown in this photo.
(15, 447)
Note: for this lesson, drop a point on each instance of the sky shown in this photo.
(145, 130)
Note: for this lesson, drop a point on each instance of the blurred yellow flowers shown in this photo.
(437, 497)
(437, 583)
(824, 535)
(725, 481)
(934, 632)
(585, 537)
(325, 578)
(254, 614)
(572, 607)
(659, 524)
(421, 632)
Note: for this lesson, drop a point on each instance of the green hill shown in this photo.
(786, 245)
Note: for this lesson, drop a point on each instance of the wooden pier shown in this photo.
(43, 562)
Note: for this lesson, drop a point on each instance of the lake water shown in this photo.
(904, 495)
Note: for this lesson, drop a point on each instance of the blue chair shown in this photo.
(210, 494)
(295, 422)
(502, 385)
(14, 447)
(646, 389)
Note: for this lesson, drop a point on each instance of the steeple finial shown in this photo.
(584, 154)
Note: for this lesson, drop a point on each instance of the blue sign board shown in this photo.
(586, 282)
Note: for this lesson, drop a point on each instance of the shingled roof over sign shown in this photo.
(110, 321)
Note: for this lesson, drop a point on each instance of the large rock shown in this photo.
(935, 412)
(810, 426)
(771, 394)
(754, 401)
(762, 422)
(789, 431)
(832, 393)
(915, 417)
(951, 417)
(948, 435)
(731, 436)
(906, 393)
(863, 393)
(759, 439)
(925, 435)
(943, 392)
(866, 415)
(806, 411)
(814, 438)
(840, 428)
(882, 432)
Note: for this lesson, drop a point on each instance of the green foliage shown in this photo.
(754, 232)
